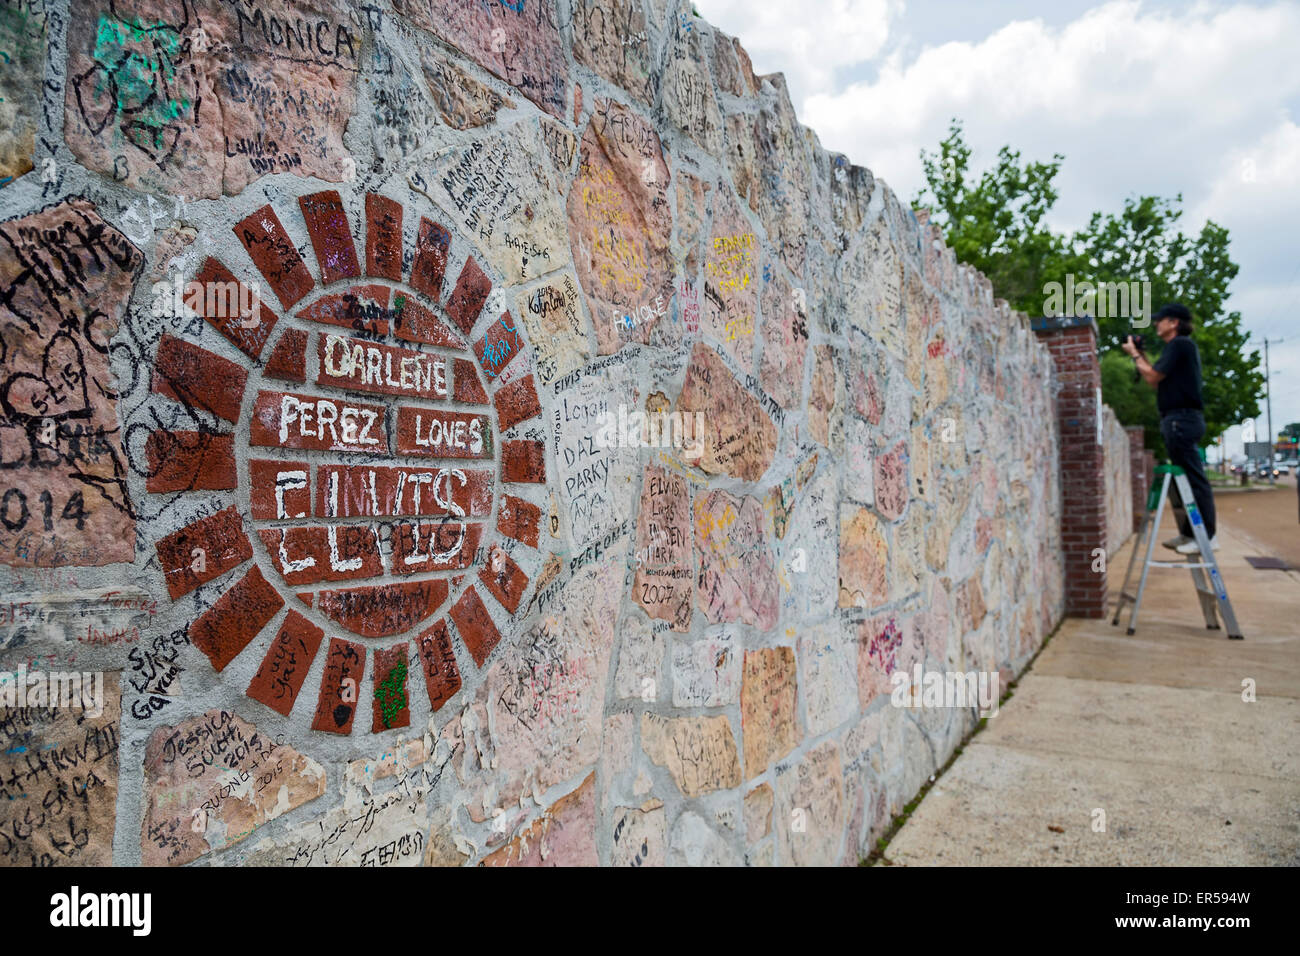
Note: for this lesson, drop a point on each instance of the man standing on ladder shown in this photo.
(1176, 377)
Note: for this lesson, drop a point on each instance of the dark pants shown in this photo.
(1182, 431)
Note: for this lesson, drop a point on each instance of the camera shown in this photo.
(1137, 344)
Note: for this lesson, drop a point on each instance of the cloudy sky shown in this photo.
(1153, 97)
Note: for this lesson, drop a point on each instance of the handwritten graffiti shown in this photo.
(63, 288)
(205, 96)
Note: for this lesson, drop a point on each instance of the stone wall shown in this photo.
(1139, 480)
(500, 425)
(1119, 481)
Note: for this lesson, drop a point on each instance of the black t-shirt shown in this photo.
(1180, 362)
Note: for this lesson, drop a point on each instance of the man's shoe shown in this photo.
(1191, 546)
(1174, 544)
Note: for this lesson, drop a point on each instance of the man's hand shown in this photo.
(1144, 367)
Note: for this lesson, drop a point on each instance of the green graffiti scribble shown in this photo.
(140, 61)
(391, 693)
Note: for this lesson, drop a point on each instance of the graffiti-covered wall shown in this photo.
(498, 422)
(1119, 481)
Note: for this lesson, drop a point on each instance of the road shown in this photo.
(1270, 518)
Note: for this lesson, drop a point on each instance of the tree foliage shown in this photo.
(996, 222)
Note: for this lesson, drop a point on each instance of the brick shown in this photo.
(504, 579)
(467, 299)
(340, 687)
(438, 662)
(431, 433)
(221, 291)
(362, 308)
(189, 461)
(499, 346)
(466, 386)
(288, 359)
(523, 462)
(432, 244)
(284, 668)
(312, 554)
(391, 705)
(383, 237)
(360, 366)
(331, 237)
(475, 626)
(293, 420)
(519, 519)
(414, 323)
(385, 609)
(278, 489)
(273, 252)
(236, 618)
(351, 491)
(434, 546)
(197, 378)
(516, 402)
(203, 550)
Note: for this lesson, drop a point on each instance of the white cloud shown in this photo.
(1254, 190)
(1136, 101)
(807, 41)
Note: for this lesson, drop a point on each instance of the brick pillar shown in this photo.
(1073, 345)
(1137, 463)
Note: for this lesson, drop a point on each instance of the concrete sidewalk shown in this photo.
(1150, 729)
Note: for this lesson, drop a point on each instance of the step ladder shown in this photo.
(1212, 593)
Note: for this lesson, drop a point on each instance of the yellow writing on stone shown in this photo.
(619, 262)
(601, 195)
(738, 327)
(706, 522)
(736, 243)
(602, 199)
(732, 264)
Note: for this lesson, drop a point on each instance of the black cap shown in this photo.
(1174, 310)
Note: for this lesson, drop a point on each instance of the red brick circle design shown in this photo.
(373, 422)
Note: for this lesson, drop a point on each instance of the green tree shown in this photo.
(1134, 402)
(996, 223)
(1143, 243)
(1290, 434)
